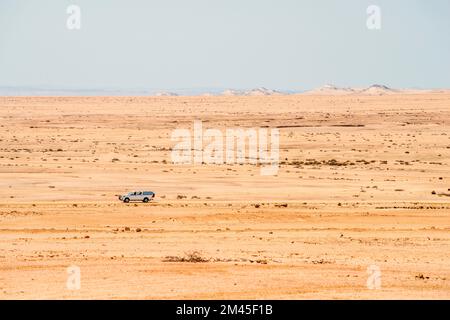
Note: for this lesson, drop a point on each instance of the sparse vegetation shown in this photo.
(192, 256)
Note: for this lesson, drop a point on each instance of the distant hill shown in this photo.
(378, 90)
(374, 90)
(330, 89)
(262, 92)
(166, 94)
(231, 92)
(253, 92)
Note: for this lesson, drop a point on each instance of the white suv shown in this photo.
(144, 196)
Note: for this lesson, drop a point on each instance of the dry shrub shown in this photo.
(192, 256)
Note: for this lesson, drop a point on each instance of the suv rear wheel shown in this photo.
(145, 200)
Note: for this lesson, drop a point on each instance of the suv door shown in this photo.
(132, 196)
(139, 196)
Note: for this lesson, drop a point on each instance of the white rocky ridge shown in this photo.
(231, 92)
(330, 89)
(261, 91)
(166, 94)
(376, 89)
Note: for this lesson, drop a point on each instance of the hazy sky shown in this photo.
(170, 44)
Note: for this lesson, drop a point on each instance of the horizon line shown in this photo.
(191, 91)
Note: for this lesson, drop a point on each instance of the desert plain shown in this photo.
(363, 181)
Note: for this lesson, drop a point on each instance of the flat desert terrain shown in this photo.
(363, 181)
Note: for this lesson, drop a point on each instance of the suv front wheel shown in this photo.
(126, 200)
